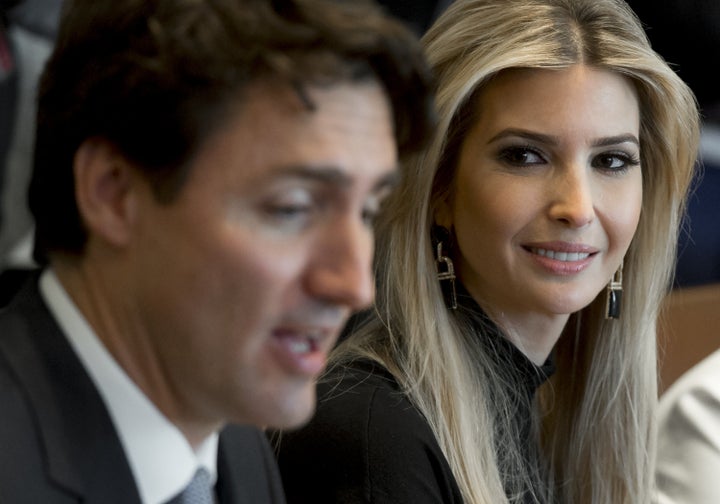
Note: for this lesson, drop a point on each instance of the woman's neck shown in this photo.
(534, 334)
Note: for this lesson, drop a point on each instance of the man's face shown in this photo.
(243, 283)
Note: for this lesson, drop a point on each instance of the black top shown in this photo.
(367, 443)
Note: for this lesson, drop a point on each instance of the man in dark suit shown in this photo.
(205, 178)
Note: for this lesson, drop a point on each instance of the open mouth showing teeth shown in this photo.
(560, 256)
(301, 343)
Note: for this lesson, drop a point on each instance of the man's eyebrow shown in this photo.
(325, 174)
(553, 140)
(332, 175)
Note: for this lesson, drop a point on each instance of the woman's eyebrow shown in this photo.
(553, 140)
(522, 133)
(615, 140)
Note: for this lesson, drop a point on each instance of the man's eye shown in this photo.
(369, 216)
(374, 206)
(290, 206)
(288, 211)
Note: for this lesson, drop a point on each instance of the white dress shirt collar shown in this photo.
(161, 459)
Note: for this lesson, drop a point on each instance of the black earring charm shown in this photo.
(445, 268)
(613, 301)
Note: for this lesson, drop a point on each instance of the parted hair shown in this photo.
(594, 417)
(155, 78)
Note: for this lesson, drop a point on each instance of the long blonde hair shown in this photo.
(595, 415)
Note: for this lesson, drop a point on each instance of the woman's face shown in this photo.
(548, 190)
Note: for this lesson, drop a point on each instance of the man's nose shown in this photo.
(342, 271)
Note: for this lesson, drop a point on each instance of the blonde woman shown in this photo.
(511, 356)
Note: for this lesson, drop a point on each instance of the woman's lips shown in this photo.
(562, 258)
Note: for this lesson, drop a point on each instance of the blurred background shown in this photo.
(27, 32)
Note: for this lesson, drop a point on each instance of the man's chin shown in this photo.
(295, 413)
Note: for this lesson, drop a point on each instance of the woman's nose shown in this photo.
(573, 202)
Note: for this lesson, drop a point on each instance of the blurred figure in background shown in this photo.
(31, 27)
(8, 92)
(689, 437)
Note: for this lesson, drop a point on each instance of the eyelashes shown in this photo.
(615, 162)
(521, 156)
(301, 209)
(527, 156)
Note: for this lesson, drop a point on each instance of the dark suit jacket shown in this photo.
(57, 441)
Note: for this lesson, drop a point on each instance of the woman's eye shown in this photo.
(521, 156)
(615, 162)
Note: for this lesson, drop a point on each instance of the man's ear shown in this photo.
(103, 183)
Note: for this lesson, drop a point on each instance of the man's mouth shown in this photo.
(300, 342)
(304, 350)
(306, 339)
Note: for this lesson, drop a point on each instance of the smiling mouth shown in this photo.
(300, 343)
(560, 256)
(302, 351)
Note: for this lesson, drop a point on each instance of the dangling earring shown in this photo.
(445, 268)
(613, 301)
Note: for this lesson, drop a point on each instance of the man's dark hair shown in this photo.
(156, 77)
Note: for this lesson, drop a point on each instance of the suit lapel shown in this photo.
(247, 472)
(83, 452)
